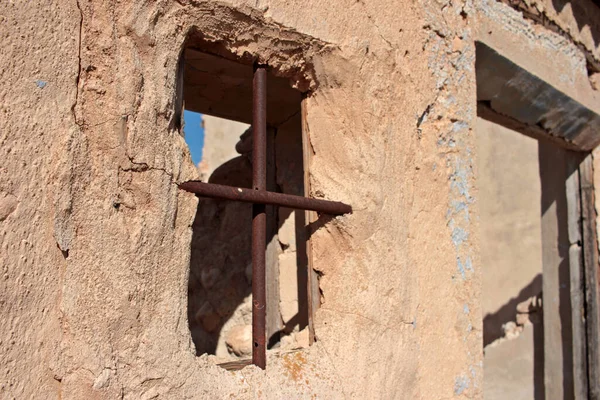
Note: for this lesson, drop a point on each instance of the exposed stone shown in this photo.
(512, 330)
(302, 338)
(523, 319)
(102, 380)
(8, 204)
(567, 22)
(295, 340)
(239, 340)
(529, 305)
(219, 260)
(595, 80)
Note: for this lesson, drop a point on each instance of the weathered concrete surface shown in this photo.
(92, 160)
(39, 69)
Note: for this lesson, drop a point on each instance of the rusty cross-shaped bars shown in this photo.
(260, 197)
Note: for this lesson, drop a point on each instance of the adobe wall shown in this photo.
(91, 166)
(95, 236)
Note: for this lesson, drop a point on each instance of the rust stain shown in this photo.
(293, 364)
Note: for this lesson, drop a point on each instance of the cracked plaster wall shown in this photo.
(95, 235)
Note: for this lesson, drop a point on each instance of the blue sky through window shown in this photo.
(194, 134)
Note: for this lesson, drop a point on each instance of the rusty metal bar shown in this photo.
(259, 216)
(264, 197)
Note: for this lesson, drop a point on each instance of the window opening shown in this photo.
(220, 87)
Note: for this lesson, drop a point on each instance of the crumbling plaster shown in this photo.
(546, 54)
(95, 240)
(576, 20)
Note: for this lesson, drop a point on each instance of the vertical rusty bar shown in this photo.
(259, 216)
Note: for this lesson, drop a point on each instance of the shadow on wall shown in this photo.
(220, 281)
(220, 263)
(554, 173)
(493, 323)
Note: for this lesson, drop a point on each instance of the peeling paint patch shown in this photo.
(460, 180)
(41, 84)
(461, 268)
(469, 264)
(461, 383)
(459, 204)
(459, 126)
(473, 371)
(465, 266)
(466, 309)
(459, 235)
(456, 207)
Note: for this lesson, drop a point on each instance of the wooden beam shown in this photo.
(590, 257)
(274, 323)
(313, 294)
(535, 132)
(217, 86)
(517, 93)
(577, 281)
(558, 358)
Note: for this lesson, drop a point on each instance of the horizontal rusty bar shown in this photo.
(264, 197)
